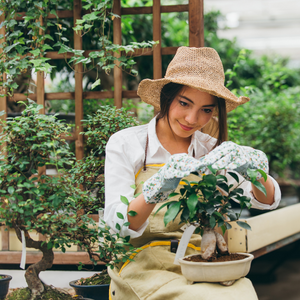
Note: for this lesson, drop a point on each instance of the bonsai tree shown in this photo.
(50, 205)
(206, 205)
(98, 128)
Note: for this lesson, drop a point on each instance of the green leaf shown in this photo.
(263, 174)
(120, 216)
(252, 174)
(244, 225)
(172, 212)
(48, 36)
(228, 226)
(96, 83)
(212, 221)
(132, 213)
(260, 186)
(11, 190)
(214, 171)
(192, 203)
(163, 205)
(126, 224)
(223, 227)
(210, 179)
(222, 177)
(173, 195)
(235, 176)
(124, 200)
(36, 52)
(223, 186)
(118, 227)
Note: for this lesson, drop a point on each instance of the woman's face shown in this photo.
(190, 110)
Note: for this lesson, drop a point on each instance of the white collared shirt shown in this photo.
(125, 155)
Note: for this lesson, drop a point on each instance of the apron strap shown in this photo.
(146, 150)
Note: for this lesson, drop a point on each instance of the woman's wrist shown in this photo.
(270, 189)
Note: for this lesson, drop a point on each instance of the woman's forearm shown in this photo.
(142, 209)
(260, 196)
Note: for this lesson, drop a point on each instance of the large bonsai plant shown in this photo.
(54, 206)
(206, 205)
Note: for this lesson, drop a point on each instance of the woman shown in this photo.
(188, 99)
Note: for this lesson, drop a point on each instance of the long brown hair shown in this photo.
(171, 90)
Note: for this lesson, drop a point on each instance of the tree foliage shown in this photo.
(28, 39)
(54, 205)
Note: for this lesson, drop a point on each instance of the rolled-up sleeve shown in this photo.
(119, 177)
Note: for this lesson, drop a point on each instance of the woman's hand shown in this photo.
(231, 156)
(228, 155)
(158, 187)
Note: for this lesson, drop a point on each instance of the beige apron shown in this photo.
(153, 276)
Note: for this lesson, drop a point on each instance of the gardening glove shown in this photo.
(158, 187)
(231, 156)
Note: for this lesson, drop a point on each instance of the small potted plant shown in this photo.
(4, 285)
(112, 250)
(205, 204)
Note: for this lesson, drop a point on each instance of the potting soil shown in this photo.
(216, 258)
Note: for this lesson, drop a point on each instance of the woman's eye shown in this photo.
(182, 103)
(207, 110)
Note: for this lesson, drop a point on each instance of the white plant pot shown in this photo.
(215, 271)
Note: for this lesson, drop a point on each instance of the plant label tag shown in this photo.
(23, 257)
(184, 243)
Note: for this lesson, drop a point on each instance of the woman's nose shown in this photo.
(191, 118)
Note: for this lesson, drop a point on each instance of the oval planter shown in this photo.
(216, 271)
(4, 285)
(95, 292)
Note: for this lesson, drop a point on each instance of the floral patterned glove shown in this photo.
(158, 187)
(231, 156)
(228, 155)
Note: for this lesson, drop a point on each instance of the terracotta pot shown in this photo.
(4, 285)
(94, 292)
(216, 271)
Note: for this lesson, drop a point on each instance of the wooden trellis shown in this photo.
(196, 39)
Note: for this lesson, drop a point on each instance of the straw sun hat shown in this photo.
(199, 68)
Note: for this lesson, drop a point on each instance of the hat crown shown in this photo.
(203, 63)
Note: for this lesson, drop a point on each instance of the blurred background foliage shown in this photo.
(270, 121)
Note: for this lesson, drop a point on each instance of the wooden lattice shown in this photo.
(196, 39)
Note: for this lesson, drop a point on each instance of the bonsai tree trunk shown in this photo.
(212, 241)
(32, 273)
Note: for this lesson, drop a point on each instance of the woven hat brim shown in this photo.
(150, 89)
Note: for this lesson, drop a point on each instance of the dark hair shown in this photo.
(171, 90)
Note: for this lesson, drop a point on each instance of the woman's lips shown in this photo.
(186, 128)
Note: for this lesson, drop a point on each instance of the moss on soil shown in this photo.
(49, 294)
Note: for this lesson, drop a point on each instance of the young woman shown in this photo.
(190, 98)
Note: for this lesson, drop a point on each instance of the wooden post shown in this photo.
(40, 82)
(40, 93)
(157, 61)
(117, 39)
(196, 23)
(78, 85)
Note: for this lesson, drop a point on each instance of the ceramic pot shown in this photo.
(216, 271)
(4, 285)
(95, 292)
